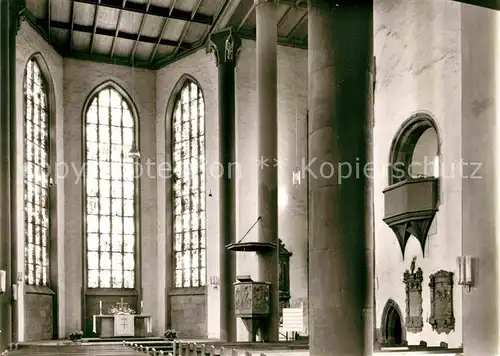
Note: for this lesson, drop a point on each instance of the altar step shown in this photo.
(73, 350)
(119, 340)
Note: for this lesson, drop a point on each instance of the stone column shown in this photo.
(340, 56)
(9, 11)
(479, 174)
(267, 109)
(226, 44)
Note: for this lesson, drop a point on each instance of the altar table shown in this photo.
(120, 324)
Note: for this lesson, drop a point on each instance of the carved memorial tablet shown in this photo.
(413, 281)
(442, 318)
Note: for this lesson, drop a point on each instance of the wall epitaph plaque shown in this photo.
(413, 281)
(442, 318)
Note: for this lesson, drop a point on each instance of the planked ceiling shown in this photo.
(152, 33)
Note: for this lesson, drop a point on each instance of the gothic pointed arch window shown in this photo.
(188, 161)
(37, 167)
(110, 190)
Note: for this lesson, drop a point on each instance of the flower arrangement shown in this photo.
(77, 335)
(121, 310)
(170, 334)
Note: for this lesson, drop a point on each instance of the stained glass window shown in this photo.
(36, 177)
(110, 192)
(189, 187)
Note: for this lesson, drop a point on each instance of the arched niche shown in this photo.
(392, 325)
(412, 195)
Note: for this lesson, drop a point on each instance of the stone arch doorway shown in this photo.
(393, 330)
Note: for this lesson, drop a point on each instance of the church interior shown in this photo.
(275, 177)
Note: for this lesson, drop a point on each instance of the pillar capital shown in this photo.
(225, 45)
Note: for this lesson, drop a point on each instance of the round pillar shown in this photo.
(340, 39)
(226, 45)
(267, 109)
(9, 25)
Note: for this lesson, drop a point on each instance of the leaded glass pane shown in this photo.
(128, 277)
(117, 278)
(105, 262)
(105, 242)
(110, 188)
(93, 260)
(128, 261)
(36, 169)
(93, 278)
(105, 279)
(117, 243)
(93, 242)
(128, 241)
(203, 276)
(189, 187)
(178, 278)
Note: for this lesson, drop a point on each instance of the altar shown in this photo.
(107, 325)
(121, 321)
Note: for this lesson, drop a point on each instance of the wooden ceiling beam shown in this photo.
(283, 18)
(71, 25)
(121, 34)
(141, 27)
(118, 22)
(96, 18)
(245, 18)
(154, 10)
(297, 24)
(186, 27)
(284, 41)
(49, 16)
(162, 32)
(223, 14)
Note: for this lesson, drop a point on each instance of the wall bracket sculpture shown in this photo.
(413, 281)
(442, 318)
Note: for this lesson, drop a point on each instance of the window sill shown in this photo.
(189, 291)
(110, 292)
(33, 289)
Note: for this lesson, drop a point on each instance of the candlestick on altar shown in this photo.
(142, 307)
(100, 307)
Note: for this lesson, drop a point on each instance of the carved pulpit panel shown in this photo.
(251, 299)
(413, 281)
(442, 318)
(261, 299)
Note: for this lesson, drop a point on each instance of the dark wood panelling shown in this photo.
(108, 300)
